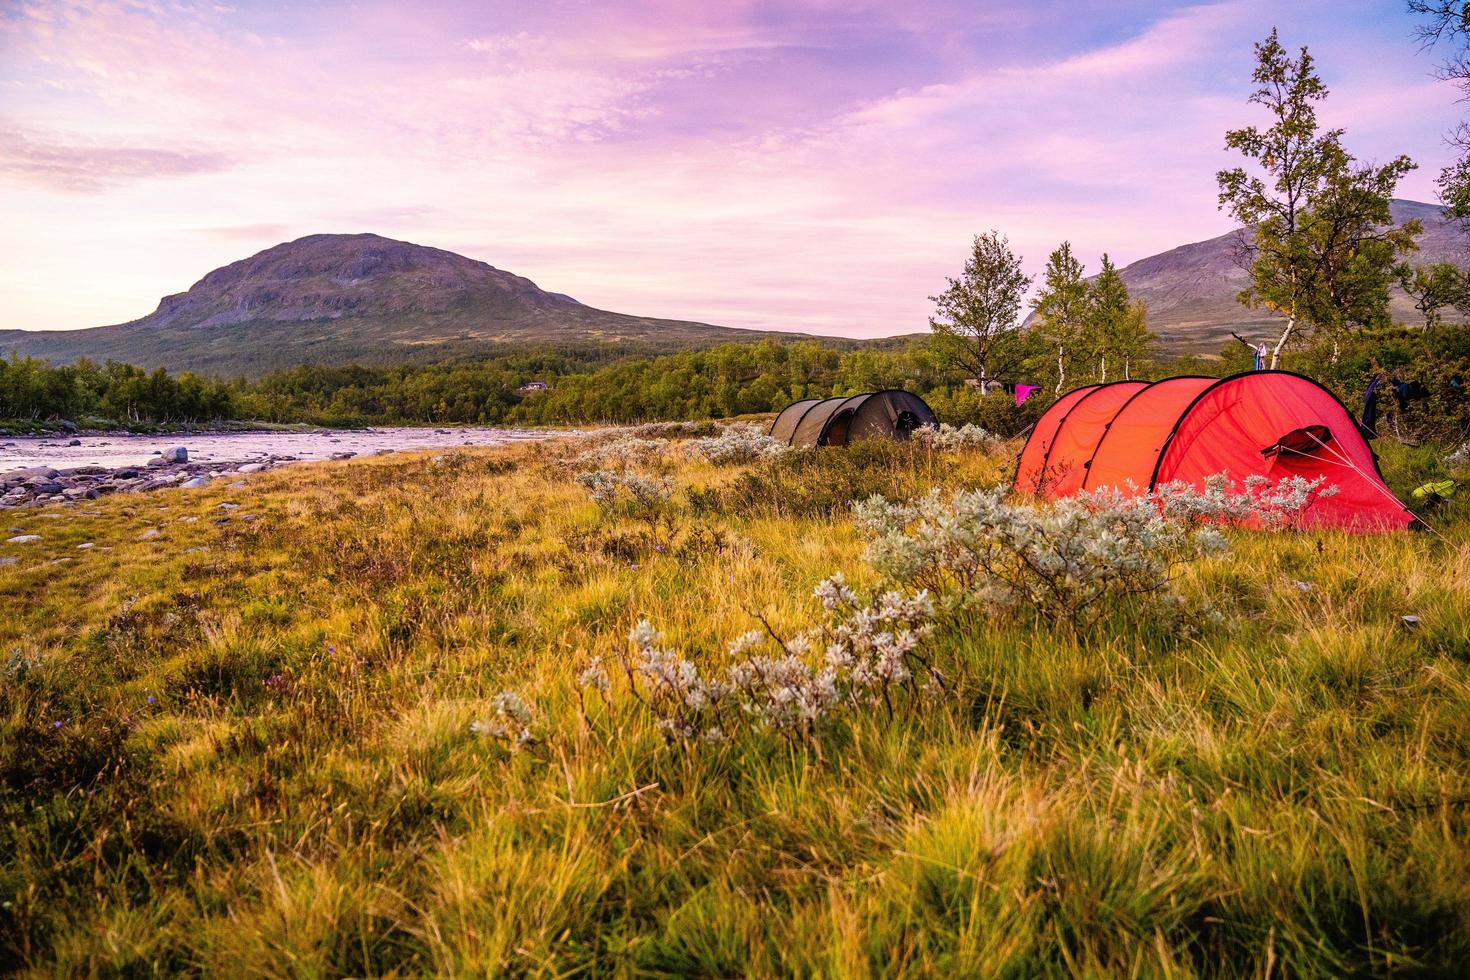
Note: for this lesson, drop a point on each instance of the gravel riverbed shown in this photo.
(63, 469)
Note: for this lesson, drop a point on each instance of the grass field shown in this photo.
(247, 748)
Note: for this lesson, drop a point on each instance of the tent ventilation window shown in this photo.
(1299, 442)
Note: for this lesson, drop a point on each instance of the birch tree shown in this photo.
(1061, 307)
(975, 318)
(1293, 158)
(1319, 244)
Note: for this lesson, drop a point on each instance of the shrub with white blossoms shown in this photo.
(620, 452)
(671, 430)
(1258, 502)
(607, 487)
(1074, 560)
(863, 656)
(740, 442)
(947, 438)
(511, 723)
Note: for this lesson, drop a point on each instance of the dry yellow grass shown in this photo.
(264, 763)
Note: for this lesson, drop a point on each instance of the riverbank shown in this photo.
(89, 466)
(65, 428)
(41, 472)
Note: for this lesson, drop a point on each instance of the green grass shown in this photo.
(264, 764)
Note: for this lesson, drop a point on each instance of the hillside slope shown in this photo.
(1191, 290)
(364, 298)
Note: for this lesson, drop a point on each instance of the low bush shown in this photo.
(1074, 561)
(741, 442)
(865, 656)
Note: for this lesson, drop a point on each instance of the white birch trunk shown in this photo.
(1285, 336)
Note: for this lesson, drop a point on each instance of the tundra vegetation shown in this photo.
(674, 700)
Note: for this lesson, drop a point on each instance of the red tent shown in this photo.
(1274, 424)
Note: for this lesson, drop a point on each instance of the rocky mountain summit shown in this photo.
(326, 277)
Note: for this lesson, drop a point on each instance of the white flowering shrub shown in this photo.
(862, 657)
(740, 442)
(643, 493)
(947, 438)
(1073, 561)
(511, 722)
(620, 452)
(1460, 457)
(671, 430)
(1257, 503)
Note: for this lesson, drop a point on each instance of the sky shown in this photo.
(806, 165)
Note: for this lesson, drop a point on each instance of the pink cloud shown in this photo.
(800, 165)
(89, 167)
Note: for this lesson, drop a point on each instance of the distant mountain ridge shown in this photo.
(1191, 290)
(332, 299)
(336, 299)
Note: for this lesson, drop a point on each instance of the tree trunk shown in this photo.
(1061, 370)
(1127, 369)
(1336, 347)
(1103, 371)
(1285, 336)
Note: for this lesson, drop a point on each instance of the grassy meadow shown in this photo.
(251, 748)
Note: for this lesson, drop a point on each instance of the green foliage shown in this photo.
(1319, 252)
(1446, 24)
(1433, 288)
(1061, 307)
(975, 318)
(33, 390)
(1116, 331)
(1087, 330)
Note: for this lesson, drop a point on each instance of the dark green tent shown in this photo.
(839, 421)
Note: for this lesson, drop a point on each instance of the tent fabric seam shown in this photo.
(1046, 458)
(1148, 387)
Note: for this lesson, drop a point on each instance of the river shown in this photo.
(115, 450)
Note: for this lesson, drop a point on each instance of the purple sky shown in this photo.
(815, 165)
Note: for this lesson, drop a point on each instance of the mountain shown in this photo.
(332, 299)
(1191, 290)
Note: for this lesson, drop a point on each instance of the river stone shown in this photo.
(195, 483)
(250, 468)
(178, 454)
(67, 426)
(44, 488)
(85, 545)
(24, 539)
(152, 532)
